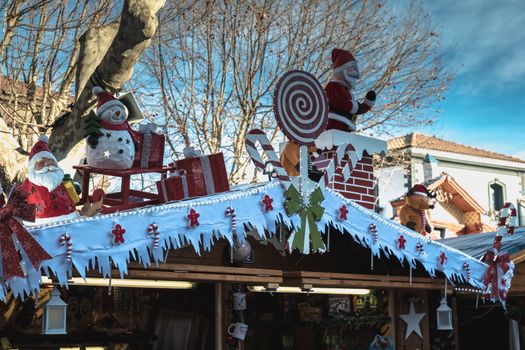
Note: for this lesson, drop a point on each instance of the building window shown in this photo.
(497, 195)
(440, 232)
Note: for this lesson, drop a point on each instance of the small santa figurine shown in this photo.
(44, 183)
(343, 107)
(114, 145)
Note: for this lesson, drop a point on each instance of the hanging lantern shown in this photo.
(54, 318)
(241, 249)
(444, 316)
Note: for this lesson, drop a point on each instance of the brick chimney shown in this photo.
(360, 186)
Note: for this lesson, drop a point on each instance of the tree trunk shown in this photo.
(12, 162)
(138, 24)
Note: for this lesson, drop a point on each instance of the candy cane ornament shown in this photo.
(154, 232)
(466, 268)
(373, 231)
(65, 239)
(329, 163)
(508, 220)
(230, 212)
(257, 135)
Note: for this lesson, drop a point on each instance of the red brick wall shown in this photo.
(360, 185)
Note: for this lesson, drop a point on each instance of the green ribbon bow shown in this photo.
(310, 211)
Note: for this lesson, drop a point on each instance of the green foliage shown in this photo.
(92, 125)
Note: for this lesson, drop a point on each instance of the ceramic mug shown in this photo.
(239, 301)
(238, 330)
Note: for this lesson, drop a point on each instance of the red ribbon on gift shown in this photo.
(494, 260)
(17, 206)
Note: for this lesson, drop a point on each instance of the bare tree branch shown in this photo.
(137, 26)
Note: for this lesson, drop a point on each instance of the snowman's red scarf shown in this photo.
(122, 126)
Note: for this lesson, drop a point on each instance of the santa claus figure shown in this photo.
(114, 148)
(44, 183)
(343, 107)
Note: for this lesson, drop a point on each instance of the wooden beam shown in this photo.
(197, 276)
(320, 279)
(518, 257)
(209, 269)
(218, 316)
(348, 283)
(330, 275)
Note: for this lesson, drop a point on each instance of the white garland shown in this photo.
(93, 241)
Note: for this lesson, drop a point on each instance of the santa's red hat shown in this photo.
(105, 100)
(418, 190)
(342, 60)
(41, 149)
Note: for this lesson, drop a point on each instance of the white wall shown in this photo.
(391, 184)
(475, 180)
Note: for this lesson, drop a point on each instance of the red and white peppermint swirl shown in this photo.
(508, 220)
(301, 107)
(230, 212)
(66, 240)
(154, 232)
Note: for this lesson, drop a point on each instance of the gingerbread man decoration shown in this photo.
(118, 232)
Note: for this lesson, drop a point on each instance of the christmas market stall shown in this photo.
(300, 261)
(496, 327)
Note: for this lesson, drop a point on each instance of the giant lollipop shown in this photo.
(301, 107)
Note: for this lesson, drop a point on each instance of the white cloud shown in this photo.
(482, 40)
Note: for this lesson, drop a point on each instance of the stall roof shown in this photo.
(93, 242)
(476, 245)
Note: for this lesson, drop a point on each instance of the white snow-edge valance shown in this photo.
(92, 239)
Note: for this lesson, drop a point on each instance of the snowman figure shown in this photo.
(113, 147)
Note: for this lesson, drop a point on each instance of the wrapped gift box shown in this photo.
(208, 173)
(149, 152)
(174, 187)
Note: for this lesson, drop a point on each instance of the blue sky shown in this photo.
(483, 41)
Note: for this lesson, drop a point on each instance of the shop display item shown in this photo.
(45, 186)
(412, 320)
(343, 106)
(414, 214)
(112, 145)
(208, 173)
(150, 147)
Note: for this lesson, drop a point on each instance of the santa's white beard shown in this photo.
(351, 79)
(49, 177)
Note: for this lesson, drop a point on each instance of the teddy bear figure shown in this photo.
(413, 213)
